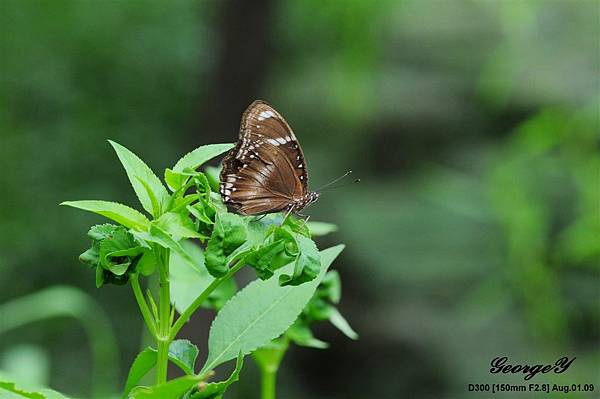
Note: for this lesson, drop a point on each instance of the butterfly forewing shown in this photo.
(265, 172)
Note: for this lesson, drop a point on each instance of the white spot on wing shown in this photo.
(281, 140)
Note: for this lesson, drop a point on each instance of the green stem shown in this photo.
(187, 313)
(139, 296)
(268, 358)
(268, 380)
(164, 313)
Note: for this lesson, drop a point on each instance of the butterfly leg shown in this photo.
(260, 218)
(304, 220)
(287, 214)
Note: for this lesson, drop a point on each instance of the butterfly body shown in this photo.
(265, 172)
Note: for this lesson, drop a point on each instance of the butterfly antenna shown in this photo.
(330, 184)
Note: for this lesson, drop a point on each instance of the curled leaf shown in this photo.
(228, 234)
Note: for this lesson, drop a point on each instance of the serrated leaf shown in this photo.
(143, 363)
(183, 353)
(321, 228)
(173, 389)
(162, 238)
(142, 179)
(259, 313)
(215, 390)
(193, 160)
(178, 224)
(120, 213)
(336, 318)
(201, 155)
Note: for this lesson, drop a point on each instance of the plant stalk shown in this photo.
(268, 382)
(164, 313)
(268, 359)
(139, 296)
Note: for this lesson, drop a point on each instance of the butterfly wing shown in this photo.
(265, 172)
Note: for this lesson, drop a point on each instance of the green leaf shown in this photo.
(173, 389)
(162, 238)
(301, 334)
(114, 253)
(215, 390)
(192, 160)
(336, 318)
(297, 225)
(262, 259)
(118, 251)
(259, 313)
(183, 353)
(143, 363)
(213, 176)
(10, 389)
(178, 225)
(143, 180)
(188, 281)
(120, 213)
(321, 228)
(307, 265)
(147, 264)
(229, 233)
(201, 155)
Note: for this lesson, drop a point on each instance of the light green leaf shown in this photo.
(142, 179)
(336, 318)
(259, 313)
(301, 335)
(175, 178)
(183, 353)
(321, 228)
(120, 213)
(188, 281)
(200, 155)
(178, 224)
(173, 389)
(143, 363)
(10, 389)
(162, 238)
(215, 390)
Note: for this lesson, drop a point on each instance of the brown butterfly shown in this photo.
(265, 172)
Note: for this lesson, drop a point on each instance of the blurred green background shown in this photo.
(474, 127)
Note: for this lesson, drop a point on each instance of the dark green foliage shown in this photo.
(114, 254)
(229, 233)
(321, 307)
